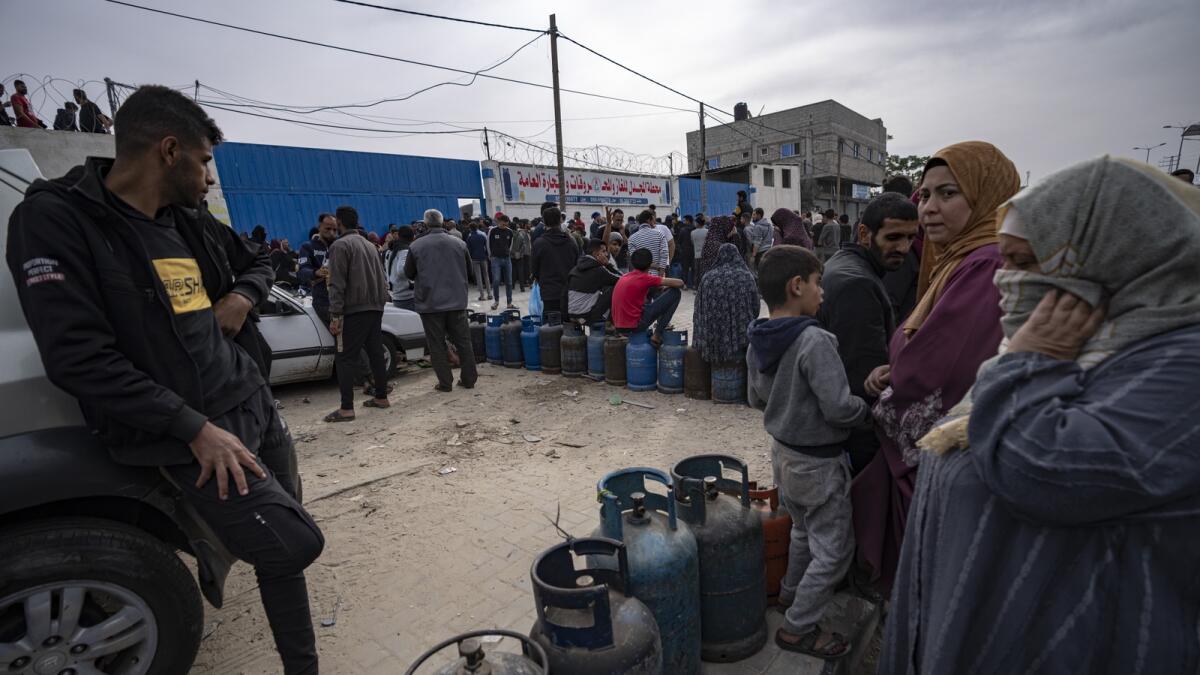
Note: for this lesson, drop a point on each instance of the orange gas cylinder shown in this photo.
(777, 535)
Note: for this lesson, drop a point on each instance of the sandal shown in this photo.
(337, 416)
(837, 646)
(372, 403)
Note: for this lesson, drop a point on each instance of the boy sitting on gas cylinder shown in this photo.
(794, 375)
(635, 306)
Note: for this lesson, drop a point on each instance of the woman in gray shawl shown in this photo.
(1054, 530)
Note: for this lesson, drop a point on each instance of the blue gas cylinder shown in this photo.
(529, 342)
(664, 567)
(510, 339)
(641, 362)
(491, 339)
(587, 621)
(670, 361)
(729, 539)
(729, 381)
(595, 352)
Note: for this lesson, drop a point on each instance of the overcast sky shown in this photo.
(1050, 83)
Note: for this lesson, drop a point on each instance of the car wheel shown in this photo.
(391, 356)
(84, 595)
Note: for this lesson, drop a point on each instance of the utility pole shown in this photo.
(196, 95)
(112, 97)
(839, 175)
(487, 148)
(562, 177)
(703, 166)
(1148, 148)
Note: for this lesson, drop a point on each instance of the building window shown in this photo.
(746, 154)
(714, 162)
(856, 151)
(768, 177)
(785, 179)
(789, 149)
(764, 151)
(870, 154)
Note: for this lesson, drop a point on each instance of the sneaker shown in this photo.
(495, 305)
(465, 386)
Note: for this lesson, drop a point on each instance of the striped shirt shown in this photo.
(651, 238)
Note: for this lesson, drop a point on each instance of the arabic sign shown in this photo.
(534, 185)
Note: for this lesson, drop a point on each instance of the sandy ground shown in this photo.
(417, 553)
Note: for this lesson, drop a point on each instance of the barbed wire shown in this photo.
(507, 148)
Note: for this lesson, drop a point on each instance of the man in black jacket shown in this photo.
(554, 255)
(140, 303)
(590, 284)
(857, 308)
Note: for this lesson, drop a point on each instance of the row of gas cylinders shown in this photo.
(666, 581)
(631, 361)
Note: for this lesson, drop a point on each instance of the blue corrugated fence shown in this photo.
(722, 197)
(285, 188)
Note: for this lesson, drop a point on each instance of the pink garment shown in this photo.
(931, 372)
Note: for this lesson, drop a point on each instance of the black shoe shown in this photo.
(464, 385)
(443, 388)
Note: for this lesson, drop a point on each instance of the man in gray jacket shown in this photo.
(357, 293)
(437, 262)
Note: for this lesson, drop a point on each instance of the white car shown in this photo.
(303, 348)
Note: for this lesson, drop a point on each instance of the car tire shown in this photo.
(391, 352)
(112, 567)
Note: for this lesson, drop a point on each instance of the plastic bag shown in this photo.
(535, 301)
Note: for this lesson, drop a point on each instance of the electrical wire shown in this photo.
(397, 59)
(339, 126)
(447, 18)
(474, 76)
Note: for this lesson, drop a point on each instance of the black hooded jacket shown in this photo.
(554, 255)
(103, 321)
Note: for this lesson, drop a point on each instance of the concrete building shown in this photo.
(837, 151)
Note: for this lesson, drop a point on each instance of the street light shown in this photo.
(1153, 147)
(1185, 131)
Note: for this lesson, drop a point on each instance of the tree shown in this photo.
(909, 166)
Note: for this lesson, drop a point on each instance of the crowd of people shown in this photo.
(977, 397)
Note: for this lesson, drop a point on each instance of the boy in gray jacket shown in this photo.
(797, 379)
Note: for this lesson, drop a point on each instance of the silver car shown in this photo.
(302, 347)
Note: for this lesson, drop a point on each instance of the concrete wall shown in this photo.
(57, 151)
(770, 198)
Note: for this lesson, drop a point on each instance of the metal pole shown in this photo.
(562, 177)
(487, 148)
(703, 165)
(839, 176)
(112, 97)
(196, 95)
(1179, 155)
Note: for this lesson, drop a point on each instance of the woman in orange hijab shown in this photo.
(934, 357)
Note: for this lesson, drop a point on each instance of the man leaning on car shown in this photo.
(139, 301)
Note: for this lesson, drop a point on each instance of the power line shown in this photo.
(475, 75)
(397, 59)
(213, 104)
(624, 67)
(447, 18)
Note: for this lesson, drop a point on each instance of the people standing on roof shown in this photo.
(64, 118)
(91, 120)
(22, 111)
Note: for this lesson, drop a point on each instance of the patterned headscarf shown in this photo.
(792, 228)
(987, 179)
(1110, 229)
(725, 305)
(718, 235)
(1106, 229)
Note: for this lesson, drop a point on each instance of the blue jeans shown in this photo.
(502, 265)
(660, 310)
